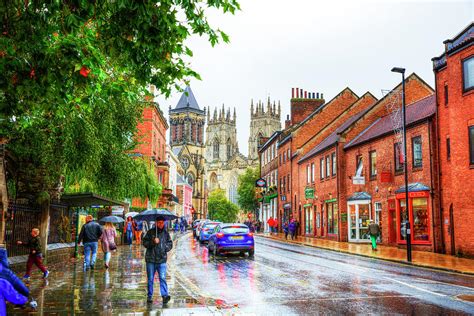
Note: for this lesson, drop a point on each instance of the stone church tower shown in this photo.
(224, 162)
(221, 136)
(187, 143)
(264, 121)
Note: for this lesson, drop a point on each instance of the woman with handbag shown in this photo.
(108, 242)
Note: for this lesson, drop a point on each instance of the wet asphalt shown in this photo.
(287, 279)
(281, 279)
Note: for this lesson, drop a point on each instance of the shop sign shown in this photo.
(358, 180)
(309, 193)
(413, 194)
(386, 177)
(331, 201)
(261, 183)
(283, 197)
(287, 205)
(308, 205)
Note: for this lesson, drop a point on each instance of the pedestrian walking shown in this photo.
(286, 230)
(292, 229)
(137, 232)
(176, 226)
(129, 230)
(89, 236)
(158, 243)
(35, 256)
(107, 241)
(270, 223)
(374, 232)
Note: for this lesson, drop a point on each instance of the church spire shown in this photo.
(208, 114)
(279, 109)
(251, 107)
(235, 116)
(215, 114)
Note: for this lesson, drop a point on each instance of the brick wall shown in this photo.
(454, 118)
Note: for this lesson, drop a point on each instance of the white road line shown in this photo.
(415, 287)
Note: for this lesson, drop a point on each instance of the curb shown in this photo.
(370, 257)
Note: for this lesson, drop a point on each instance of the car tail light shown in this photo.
(220, 235)
(250, 234)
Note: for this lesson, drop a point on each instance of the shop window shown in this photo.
(471, 145)
(417, 155)
(312, 172)
(468, 73)
(334, 164)
(403, 218)
(321, 168)
(398, 154)
(332, 217)
(373, 164)
(309, 227)
(420, 219)
(328, 167)
(448, 148)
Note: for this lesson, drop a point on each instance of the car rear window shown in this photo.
(210, 226)
(235, 230)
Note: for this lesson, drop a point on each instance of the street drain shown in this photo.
(466, 297)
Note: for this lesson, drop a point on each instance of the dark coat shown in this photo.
(157, 253)
(33, 243)
(374, 229)
(90, 232)
(292, 227)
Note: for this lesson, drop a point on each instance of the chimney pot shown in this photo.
(292, 93)
(288, 116)
(313, 95)
(306, 94)
(317, 95)
(297, 92)
(322, 96)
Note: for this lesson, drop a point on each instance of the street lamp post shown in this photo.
(405, 163)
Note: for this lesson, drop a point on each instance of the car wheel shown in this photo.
(251, 253)
(242, 253)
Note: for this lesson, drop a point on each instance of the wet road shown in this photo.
(286, 279)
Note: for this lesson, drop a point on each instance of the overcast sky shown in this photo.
(320, 46)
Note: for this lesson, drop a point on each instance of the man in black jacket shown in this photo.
(158, 243)
(90, 235)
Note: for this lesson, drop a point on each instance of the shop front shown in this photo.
(417, 213)
(359, 213)
(332, 217)
(308, 219)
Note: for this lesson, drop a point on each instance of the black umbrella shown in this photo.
(151, 215)
(111, 219)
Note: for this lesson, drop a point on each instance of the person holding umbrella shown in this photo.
(158, 243)
(107, 240)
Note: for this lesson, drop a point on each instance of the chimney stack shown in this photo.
(287, 122)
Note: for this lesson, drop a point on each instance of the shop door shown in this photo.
(392, 217)
(358, 223)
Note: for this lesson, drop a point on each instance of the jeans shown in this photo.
(107, 256)
(129, 237)
(88, 248)
(151, 269)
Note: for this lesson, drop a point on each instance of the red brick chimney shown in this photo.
(302, 105)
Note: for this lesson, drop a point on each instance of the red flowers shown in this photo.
(84, 71)
(32, 73)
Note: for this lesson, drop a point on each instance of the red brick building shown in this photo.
(375, 185)
(454, 75)
(152, 145)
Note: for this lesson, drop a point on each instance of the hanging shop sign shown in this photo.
(261, 183)
(309, 193)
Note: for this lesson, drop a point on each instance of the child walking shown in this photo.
(35, 256)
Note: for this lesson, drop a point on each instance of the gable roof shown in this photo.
(416, 112)
(187, 102)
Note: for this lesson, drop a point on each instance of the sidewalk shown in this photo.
(419, 258)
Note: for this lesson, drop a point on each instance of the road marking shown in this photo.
(415, 287)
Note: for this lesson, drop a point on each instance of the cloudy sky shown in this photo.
(320, 46)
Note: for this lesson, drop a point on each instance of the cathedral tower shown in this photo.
(187, 143)
(221, 135)
(264, 121)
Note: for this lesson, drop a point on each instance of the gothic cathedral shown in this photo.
(187, 143)
(224, 162)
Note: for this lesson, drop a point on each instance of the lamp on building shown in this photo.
(407, 223)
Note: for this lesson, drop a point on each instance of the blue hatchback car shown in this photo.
(231, 238)
(206, 231)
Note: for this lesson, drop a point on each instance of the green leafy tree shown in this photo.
(73, 80)
(246, 189)
(221, 209)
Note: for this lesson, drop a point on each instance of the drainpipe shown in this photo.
(337, 194)
(430, 124)
(438, 169)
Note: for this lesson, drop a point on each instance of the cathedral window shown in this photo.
(215, 148)
(229, 149)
